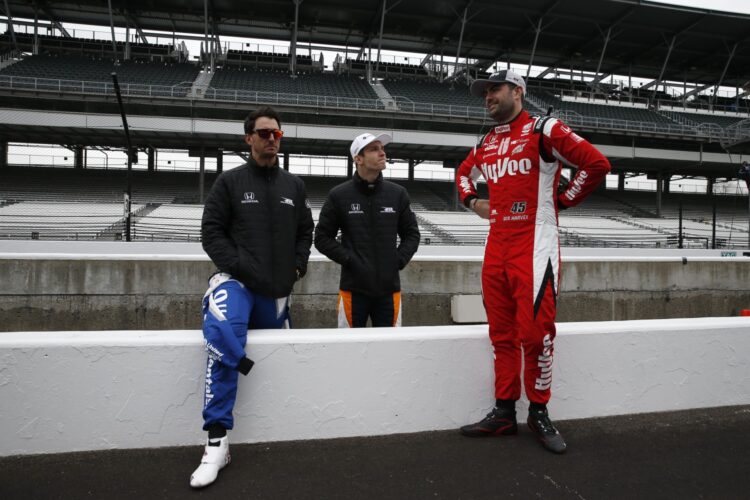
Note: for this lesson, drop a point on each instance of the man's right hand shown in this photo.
(481, 208)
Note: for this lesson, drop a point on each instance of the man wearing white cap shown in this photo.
(521, 159)
(372, 214)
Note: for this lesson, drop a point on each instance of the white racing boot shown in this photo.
(214, 459)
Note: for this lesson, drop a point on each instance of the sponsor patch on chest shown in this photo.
(505, 166)
(249, 197)
(355, 208)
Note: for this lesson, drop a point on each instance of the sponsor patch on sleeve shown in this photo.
(576, 137)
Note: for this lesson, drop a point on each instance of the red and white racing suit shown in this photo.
(521, 270)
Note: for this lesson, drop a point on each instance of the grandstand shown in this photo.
(49, 79)
(62, 220)
(169, 222)
(87, 74)
(303, 86)
(168, 212)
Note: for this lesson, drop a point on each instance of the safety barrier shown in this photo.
(70, 391)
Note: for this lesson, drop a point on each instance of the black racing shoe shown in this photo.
(498, 422)
(549, 436)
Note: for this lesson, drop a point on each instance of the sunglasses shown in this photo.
(266, 133)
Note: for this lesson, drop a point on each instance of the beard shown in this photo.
(503, 111)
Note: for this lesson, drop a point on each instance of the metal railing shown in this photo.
(68, 223)
(711, 132)
(234, 95)
(93, 87)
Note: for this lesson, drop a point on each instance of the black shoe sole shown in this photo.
(508, 430)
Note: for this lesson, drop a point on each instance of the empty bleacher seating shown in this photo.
(51, 202)
(381, 69)
(101, 186)
(86, 74)
(305, 88)
(411, 94)
(60, 220)
(61, 45)
(268, 60)
(609, 112)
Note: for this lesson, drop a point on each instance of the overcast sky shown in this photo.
(742, 6)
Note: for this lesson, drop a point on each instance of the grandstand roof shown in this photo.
(572, 31)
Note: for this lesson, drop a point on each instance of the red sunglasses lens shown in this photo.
(266, 133)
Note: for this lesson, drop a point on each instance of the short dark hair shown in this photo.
(266, 111)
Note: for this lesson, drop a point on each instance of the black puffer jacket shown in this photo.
(257, 226)
(370, 216)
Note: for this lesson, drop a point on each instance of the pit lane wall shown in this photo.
(160, 286)
(72, 391)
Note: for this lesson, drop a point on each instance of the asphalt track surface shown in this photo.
(685, 455)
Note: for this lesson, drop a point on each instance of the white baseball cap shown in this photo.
(478, 87)
(363, 140)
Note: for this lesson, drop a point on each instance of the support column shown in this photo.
(349, 167)
(205, 37)
(10, 26)
(601, 56)
(659, 183)
(621, 182)
(667, 180)
(202, 174)
(78, 157)
(286, 161)
(126, 53)
(663, 67)
(35, 46)
(411, 169)
(537, 30)
(112, 29)
(3, 155)
(710, 185)
(723, 74)
(151, 157)
(380, 36)
(220, 161)
(293, 45)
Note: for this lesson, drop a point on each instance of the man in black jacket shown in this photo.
(371, 213)
(257, 228)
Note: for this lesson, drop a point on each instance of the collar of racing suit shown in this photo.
(368, 187)
(519, 118)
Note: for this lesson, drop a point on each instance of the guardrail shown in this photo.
(711, 132)
(68, 222)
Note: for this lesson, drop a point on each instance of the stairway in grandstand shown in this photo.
(201, 84)
(7, 60)
(116, 230)
(385, 96)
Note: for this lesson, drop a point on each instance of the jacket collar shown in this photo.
(273, 169)
(366, 186)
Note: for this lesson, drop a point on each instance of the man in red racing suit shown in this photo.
(521, 160)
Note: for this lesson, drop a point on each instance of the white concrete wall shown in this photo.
(68, 391)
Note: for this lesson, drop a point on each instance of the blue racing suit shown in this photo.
(229, 309)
